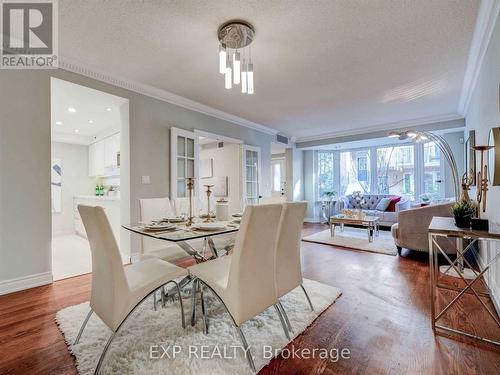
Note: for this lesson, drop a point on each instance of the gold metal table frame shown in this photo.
(445, 227)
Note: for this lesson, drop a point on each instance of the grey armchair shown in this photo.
(411, 230)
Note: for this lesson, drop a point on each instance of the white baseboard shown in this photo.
(25, 282)
(311, 220)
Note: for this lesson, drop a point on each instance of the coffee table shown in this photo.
(371, 223)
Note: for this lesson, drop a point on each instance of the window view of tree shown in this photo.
(325, 173)
(396, 170)
(354, 171)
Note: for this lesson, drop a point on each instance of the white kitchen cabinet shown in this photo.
(103, 156)
(111, 150)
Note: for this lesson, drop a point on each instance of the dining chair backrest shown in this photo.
(181, 206)
(108, 277)
(288, 266)
(273, 200)
(251, 282)
(154, 209)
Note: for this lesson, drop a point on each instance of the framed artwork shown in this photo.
(470, 156)
(56, 185)
(220, 186)
(206, 168)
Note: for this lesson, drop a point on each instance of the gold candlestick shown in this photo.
(209, 192)
(190, 186)
(482, 180)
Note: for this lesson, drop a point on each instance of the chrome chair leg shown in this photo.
(245, 346)
(285, 315)
(193, 301)
(283, 324)
(248, 353)
(103, 354)
(110, 340)
(83, 327)
(183, 319)
(203, 314)
(307, 296)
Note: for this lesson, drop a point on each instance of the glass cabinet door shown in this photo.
(184, 161)
(251, 174)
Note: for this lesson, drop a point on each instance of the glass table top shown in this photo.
(181, 232)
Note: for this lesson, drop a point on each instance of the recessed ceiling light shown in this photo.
(71, 109)
(108, 109)
(77, 131)
(58, 122)
(91, 121)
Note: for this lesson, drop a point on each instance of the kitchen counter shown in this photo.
(99, 198)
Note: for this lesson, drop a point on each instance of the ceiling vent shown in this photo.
(220, 144)
(281, 139)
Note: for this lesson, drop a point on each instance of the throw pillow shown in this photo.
(392, 205)
(383, 204)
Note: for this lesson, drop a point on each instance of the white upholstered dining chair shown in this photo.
(245, 282)
(157, 209)
(273, 200)
(288, 266)
(117, 290)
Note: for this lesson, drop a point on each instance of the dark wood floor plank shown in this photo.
(382, 317)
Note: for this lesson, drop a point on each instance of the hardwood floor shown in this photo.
(383, 318)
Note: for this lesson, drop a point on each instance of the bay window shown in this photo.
(408, 170)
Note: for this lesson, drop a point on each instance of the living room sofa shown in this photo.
(369, 204)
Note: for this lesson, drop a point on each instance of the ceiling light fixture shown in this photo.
(235, 36)
(71, 109)
(108, 109)
(59, 123)
(91, 122)
(77, 131)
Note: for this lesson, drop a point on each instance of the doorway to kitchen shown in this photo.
(89, 166)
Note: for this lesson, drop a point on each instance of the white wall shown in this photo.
(482, 115)
(75, 181)
(226, 162)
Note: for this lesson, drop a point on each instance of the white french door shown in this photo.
(251, 174)
(278, 177)
(184, 155)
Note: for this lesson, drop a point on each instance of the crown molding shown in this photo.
(383, 127)
(486, 19)
(163, 95)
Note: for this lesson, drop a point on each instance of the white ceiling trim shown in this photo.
(384, 126)
(486, 18)
(166, 96)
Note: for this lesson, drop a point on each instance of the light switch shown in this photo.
(145, 180)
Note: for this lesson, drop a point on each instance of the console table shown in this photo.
(445, 227)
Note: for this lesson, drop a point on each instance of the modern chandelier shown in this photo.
(235, 55)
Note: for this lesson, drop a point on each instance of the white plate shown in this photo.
(159, 226)
(237, 214)
(237, 220)
(209, 226)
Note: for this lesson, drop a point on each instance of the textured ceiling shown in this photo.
(320, 66)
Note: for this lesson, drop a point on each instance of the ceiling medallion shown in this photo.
(235, 56)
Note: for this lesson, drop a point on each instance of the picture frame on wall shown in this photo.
(206, 168)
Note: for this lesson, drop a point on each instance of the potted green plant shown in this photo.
(329, 195)
(463, 212)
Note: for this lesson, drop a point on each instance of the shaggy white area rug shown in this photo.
(143, 338)
(356, 238)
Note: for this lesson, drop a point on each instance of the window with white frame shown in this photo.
(407, 170)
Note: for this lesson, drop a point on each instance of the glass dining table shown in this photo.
(180, 235)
